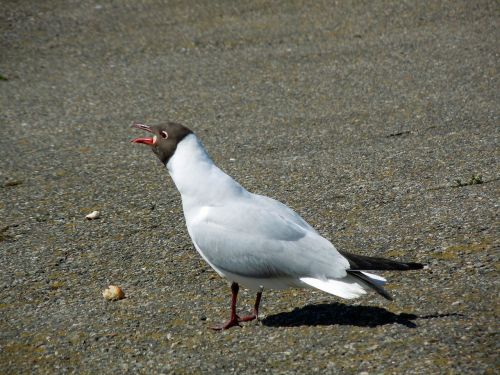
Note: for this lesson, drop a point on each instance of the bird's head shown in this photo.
(165, 138)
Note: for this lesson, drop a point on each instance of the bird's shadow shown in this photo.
(337, 313)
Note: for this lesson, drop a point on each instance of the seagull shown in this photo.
(254, 240)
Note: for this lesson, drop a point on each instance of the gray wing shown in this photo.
(262, 238)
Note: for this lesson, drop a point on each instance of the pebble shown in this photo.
(113, 293)
(93, 215)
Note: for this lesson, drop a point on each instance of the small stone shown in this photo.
(93, 215)
(113, 293)
(11, 183)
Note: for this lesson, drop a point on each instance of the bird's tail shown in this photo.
(374, 282)
(358, 263)
(353, 285)
(357, 281)
(347, 287)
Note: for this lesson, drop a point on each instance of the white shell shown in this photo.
(93, 215)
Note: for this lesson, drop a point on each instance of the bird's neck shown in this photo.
(198, 179)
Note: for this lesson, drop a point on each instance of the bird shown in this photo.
(253, 240)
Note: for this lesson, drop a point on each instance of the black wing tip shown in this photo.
(387, 296)
(384, 293)
(415, 266)
(365, 263)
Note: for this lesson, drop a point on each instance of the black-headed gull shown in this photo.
(254, 240)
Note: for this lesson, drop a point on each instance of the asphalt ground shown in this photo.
(377, 121)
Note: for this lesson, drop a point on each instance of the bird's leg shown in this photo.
(234, 319)
(255, 314)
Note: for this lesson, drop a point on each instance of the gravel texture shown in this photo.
(376, 120)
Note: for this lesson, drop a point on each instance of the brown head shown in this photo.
(165, 138)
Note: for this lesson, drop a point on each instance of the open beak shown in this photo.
(146, 140)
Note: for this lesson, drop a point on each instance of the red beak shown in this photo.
(145, 140)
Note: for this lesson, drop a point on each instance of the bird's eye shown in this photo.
(164, 134)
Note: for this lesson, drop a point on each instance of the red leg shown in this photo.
(234, 319)
(255, 314)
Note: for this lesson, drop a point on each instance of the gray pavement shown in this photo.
(377, 121)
